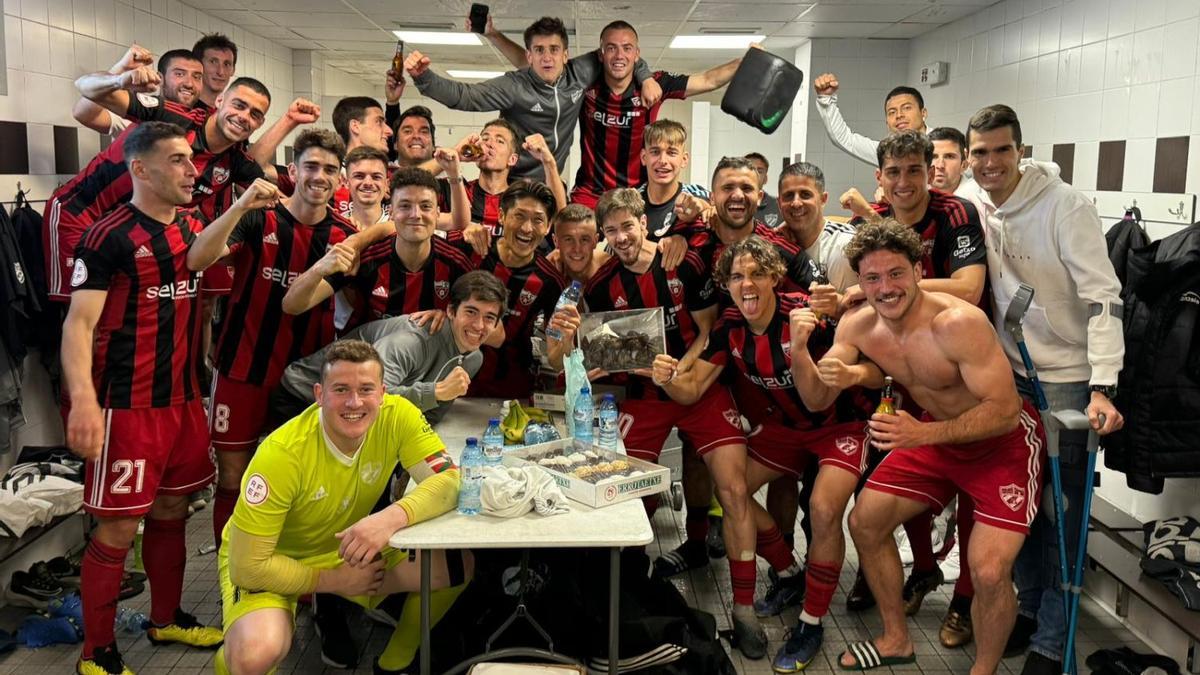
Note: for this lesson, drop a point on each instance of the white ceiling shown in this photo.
(354, 35)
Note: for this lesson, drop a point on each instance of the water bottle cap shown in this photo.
(472, 441)
(494, 420)
(585, 390)
(610, 397)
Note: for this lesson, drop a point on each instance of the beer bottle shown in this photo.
(398, 60)
(887, 402)
(471, 152)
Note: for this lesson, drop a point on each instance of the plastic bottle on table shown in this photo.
(608, 423)
(583, 415)
(471, 468)
(569, 298)
(130, 621)
(493, 443)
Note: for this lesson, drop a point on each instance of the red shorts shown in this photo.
(217, 280)
(1003, 475)
(237, 414)
(61, 233)
(582, 195)
(148, 452)
(707, 424)
(789, 450)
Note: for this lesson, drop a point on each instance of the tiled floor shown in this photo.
(705, 588)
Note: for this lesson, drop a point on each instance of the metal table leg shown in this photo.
(614, 609)
(426, 574)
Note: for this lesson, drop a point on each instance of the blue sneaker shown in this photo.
(781, 594)
(803, 643)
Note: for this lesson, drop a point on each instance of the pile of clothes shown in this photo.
(46, 482)
(1172, 556)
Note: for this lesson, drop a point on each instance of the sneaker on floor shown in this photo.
(956, 630)
(200, 499)
(950, 564)
(803, 644)
(715, 540)
(337, 644)
(783, 592)
(1036, 664)
(1022, 632)
(917, 587)
(186, 630)
(130, 588)
(104, 661)
(860, 597)
(33, 591)
(904, 546)
(65, 570)
(687, 556)
(750, 638)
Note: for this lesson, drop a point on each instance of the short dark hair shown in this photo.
(547, 25)
(574, 213)
(507, 126)
(411, 176)
(763, 252)
(416, 111)
(164, 61)
(351, 108)
(732, 163)
(615, 25)
(903, 90)
(218, 41)
(479, 285)
(363, 153)
(996, 117)
(759, 156)
(619, 199)
(888, 234)
(903, 144)
(251, 84)
(529, 189)
(146, 135)
(354, 351)
(806, 169)
(323, 139)
(950, 134)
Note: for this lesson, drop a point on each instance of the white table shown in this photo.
(612, 527)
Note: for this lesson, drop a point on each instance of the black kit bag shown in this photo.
(762, 90)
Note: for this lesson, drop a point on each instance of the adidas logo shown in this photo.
(537, 107)
(380, 292)
(735, 353)
(620, 302)
(319, 494)
(271, 239)
(143, 252)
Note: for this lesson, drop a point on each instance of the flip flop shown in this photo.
(867, 657)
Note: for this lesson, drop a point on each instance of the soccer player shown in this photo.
(544, 97)
(613, 120)
(302, 524)
(950, 163)
(768, 206)
(219, 56)
(268, 249)
(409, 271)
(359, 120)
(975, 436)
(575, 239)
(903, 109)
(366, 180)
(758, 336)
(670, 203)
(413, 130)
(182, 78)
(218, 146)
(802, 200)
(131, 357)
(635, 279)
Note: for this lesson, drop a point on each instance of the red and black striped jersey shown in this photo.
(766, 390)
(951, 235)
(801, 271)
(485, 206)
(391, 289)
(147, 341)
(269, 249)
(105, 182)
(611, 127)
(687, 288)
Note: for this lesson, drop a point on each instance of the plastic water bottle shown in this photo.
(493, 443)
(569, 298)
(137, 547)
(583, 416)
(471, 468)
(608, 423)
(130, 621)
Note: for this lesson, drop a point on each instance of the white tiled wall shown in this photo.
(1080, 71)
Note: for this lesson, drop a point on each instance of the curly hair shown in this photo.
(760, 251)
(888, 234)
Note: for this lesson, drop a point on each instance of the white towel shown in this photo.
(509, 492)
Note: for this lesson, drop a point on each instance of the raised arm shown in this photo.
(494, 94)
(111, 92)
(460, 205)
(818, 392)
(714, 78)
(856, 145)
(536, 146)
(512, 51)
(99, 119)
(301, 111)
(210, 245)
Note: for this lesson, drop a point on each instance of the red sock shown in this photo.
(164, 555)
(774, 550)
(966, 521)
(821, 579)
(100, 585)
(223, 502)
(921, 541)
(696, 523)
(741, 574)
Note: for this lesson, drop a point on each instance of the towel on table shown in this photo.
(509, 492)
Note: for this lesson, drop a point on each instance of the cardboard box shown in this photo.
(652, 480)
(553, 400)
(596, 327)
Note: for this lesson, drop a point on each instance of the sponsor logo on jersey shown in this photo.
(735, 353)
(609, 120)
(143, 252)
(620, 302)
(848, 445)
(184, 288)
(257, 489)
(271, 238)
(527, 298)
(79, 274)
(964, 241)
(220, 175)
(783, 381)
(319, 494)
(537, 107)
(441, 288)
(380, 292)
(1013, 496)
(282, 277)
(1190, 297)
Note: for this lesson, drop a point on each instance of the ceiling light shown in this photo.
(427, 37)
(714, 41)
(474, 74)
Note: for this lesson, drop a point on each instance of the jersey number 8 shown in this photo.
(221, 418)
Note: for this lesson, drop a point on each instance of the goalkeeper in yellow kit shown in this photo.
(301, 524)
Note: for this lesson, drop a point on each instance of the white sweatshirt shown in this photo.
(858, 146)
(1048, 235)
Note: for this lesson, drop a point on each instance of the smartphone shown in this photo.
(479, 14)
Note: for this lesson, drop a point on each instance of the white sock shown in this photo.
(810, 619)
(791, 571)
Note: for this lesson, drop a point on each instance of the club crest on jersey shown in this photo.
(1013, 496)
(675, 285)
(18, 273)
(370, 472)
(441, 288)
(79, 274)
(786, 346)
(733, 417)
(257, 489)
(847, 445)
(148, 100)
(527, 298)
(220, 175)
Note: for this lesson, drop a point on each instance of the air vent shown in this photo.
(729, 31)
(432, 25)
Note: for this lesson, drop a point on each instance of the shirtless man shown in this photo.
(976, 436)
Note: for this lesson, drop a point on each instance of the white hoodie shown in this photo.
(1048, 235)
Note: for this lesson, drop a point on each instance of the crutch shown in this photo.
(1077, 421)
